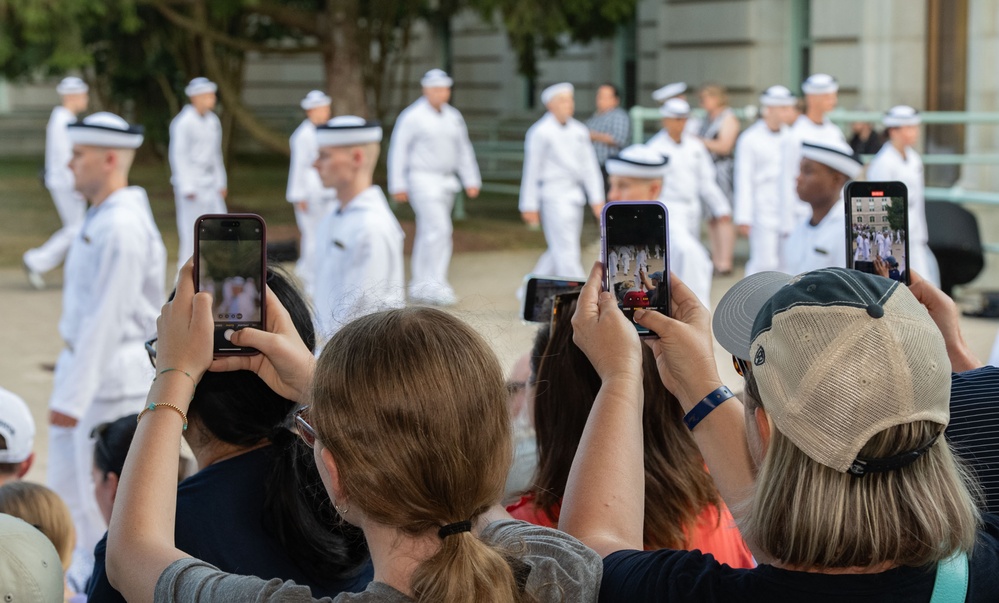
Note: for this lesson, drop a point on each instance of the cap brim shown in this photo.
(736, 312)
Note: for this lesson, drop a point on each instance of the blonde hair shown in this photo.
(411, 404)
(807, 515)
(42, 508)
(716, 91)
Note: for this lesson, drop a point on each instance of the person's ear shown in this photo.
(26, 466)
(334, 472)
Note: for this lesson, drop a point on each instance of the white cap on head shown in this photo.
(30, 569)
(436, 78)
(17, 428)
(638, 161)
(675, 107)
(348, 131)
(549, 93)
(72, 85)
(314, 99)
(901, 115)
(669, 91)
(820, 83)
(777, 96)
(839, 157)
(105, 129)
(200, 85)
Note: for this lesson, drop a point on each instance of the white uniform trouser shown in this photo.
(764, 249)
(188, 211)
(72, 208)
(308, 223)
(432, 201)
(689, 260)
(563, 225)
(924, 262)
(71, 459)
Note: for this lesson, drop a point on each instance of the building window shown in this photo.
(871, 204)
(860, 219)
(872, 219)
(860, 206)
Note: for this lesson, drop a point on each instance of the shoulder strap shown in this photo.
(951, 585)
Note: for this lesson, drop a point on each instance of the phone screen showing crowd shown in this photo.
(636, 257)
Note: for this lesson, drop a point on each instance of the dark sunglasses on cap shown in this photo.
(741, 366)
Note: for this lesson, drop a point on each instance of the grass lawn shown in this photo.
(256, 184)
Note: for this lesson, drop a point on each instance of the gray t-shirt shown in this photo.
(563, 570)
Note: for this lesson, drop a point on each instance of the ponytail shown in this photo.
(467, 570)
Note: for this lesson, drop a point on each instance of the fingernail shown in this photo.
(639, 313)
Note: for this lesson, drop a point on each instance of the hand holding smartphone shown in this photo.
(230, 263)
(877, 228)
(635, 254)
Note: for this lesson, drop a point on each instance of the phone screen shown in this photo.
(636, 256)
(877, 229)
(539, 295)
(231, 266)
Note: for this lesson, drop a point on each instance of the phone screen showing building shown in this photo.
(878, 236)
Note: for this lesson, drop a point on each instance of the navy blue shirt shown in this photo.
(974, 427)
(220, 519)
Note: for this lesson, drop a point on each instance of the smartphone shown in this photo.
(635, 252)
(230, 263)
(877, 228)
(540, 292)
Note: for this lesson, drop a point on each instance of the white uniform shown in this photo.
(113, 292)
(305, 185)
(197, 169)
(889, 164)
(689, 180)
(757, 202)
(863, 252)
(612, 264)
(428, 149)
(793, 209)
(812, 247)
(360, 265)
(59, 180)
(559, 165)
(689, 260)
(884, 245)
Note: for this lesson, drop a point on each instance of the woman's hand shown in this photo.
(185, 329)
(684, 351)
(603, 333)
(284, 363)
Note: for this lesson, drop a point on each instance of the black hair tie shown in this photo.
(455, 528)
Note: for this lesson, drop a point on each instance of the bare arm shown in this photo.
(946, 315)
(724, 144)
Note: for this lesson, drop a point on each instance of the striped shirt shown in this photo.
(614, 122)
(974, 427)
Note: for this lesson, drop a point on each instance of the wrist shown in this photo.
(691, 395)
(174, 388)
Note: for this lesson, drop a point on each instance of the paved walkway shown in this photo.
(484, 281)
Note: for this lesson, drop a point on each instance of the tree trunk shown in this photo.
(343, 59)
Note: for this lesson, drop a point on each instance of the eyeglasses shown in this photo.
(151, 350)
(305, 431)
(741, 366)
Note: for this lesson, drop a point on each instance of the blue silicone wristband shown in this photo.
(705, 406)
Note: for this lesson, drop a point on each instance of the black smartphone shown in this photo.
(877, 228)
(634, 238)
(230, 263)
(540, 292)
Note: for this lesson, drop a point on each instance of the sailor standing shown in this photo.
(678, 90)
(757, 179)
(198, 173)
(819, 241)
(306, 192)
(898, 160)
(821, 95)
(360, 265)
(690, 176)
(561, 175)
(113, 291)
(59, 180)
(428, 154)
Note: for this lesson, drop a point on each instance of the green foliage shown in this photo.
(896, 215)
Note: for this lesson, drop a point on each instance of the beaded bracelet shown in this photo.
(705, 406)
(154, 405)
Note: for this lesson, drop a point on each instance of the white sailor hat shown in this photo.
(72, 85)
(638, 161)
(901, 115)
(675, 107)
(549, 93)
(316, 98)
(839, 157)
(777, 96)
(200, 85)
(17, 428)
(348, 131)
(820, 83)
(436, 78)
(105, 129)
(669, 91)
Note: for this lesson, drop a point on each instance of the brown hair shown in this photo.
(411, 404)
(677, 488)
(42, 508)
(7, 468)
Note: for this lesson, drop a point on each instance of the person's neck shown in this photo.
(562, 121)
(70, 109)
(437, 108)
(821, 210)
(713, 113)
(395, 555)
(113, 185)
(678, 138)
(899, 147)
(772, 125)
(348, 192)
(816, 116)
(208, 450)
(200, 111)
